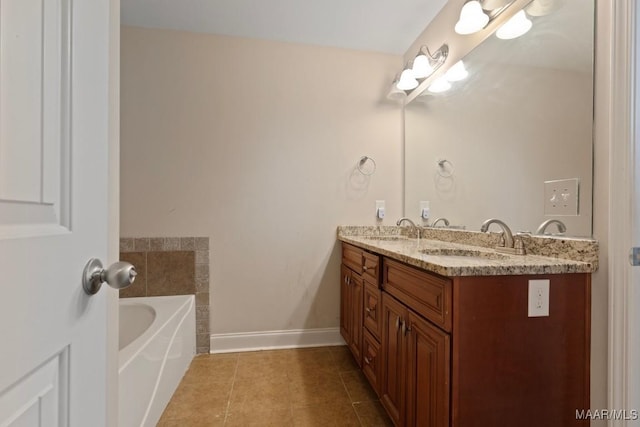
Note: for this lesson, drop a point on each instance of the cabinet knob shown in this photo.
(364, 268)
(397, 322)
(369, 361)
(370, 310)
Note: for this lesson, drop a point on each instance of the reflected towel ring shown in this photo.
(366, 166)
(445, 168)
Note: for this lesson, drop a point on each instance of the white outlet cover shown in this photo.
(562, 197)
(538, 298)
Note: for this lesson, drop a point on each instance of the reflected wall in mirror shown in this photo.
(523, 116)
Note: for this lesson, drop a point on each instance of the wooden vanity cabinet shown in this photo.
(462, 351)
(351, 304)
(360, 269)
(416, 359)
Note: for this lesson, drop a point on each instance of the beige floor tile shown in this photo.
(343, 359)
(342, 415)
(358, 386)
(262, 364)
(372, 414)
(301, 387)
(263, 417)
(311, 360)
(317, 389)
(260, 394)
(208, 400)
(212, 369)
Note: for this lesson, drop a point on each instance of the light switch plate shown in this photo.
(561, 197)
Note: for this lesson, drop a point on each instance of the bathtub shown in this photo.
(157, 344)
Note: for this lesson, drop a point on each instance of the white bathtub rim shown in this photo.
(162, 305)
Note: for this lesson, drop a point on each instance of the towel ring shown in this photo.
(364, 169)
(445, 168)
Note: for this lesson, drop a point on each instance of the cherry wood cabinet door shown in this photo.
(428, 373)
(393, 359)
(371, 366)
(357, 302)
(345, 302)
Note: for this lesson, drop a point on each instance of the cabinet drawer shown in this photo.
(427, 294)
(371, 366)
(352, 257)
(372, 313)
(371, 266)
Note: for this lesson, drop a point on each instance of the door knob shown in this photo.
(119, 275)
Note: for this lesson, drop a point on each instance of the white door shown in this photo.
(53, 210)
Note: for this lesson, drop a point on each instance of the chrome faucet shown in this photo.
(414, 228)
(506, 231)
(543, 227)
(443, 219)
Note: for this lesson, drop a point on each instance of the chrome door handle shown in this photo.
(119, 275)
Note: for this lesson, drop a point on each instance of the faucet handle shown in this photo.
(518, 242)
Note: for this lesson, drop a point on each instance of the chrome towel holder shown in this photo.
(366, 166)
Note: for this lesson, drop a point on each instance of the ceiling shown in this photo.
(372, 25)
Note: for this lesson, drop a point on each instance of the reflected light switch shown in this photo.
(561, 197)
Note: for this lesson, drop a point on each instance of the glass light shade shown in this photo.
(472, 18)
(518, 25)
(407, 80)
(457, 72)
(396, 94)
(440, 85)
(421, 67)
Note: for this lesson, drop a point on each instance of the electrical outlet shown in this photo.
(425, 210)
(538, 298)
(561, 197)
(380, 210)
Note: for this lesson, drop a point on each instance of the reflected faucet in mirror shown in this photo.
(413, 225)
(444, 220)
(542, 230)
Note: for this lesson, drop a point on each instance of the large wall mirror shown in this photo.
(523, 116)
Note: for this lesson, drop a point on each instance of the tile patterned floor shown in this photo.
(301, 387)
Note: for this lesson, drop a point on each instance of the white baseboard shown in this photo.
(270, 340)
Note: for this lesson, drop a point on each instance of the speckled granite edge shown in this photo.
(546, 255)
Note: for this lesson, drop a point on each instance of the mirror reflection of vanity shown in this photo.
(523, 116)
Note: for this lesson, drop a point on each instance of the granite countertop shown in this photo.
(451, 258)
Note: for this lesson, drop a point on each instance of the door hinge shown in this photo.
(634, 256)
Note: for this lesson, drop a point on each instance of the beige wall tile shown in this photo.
(171, 273)
(126, 245)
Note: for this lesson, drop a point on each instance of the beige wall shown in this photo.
(253, 143)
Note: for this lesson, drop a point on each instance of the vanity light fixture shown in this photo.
(472, 18)
(421, 66)
(395, 93)
(407, 80)
(439, 85)
(426, 63)
(457, 72)
(518, 25)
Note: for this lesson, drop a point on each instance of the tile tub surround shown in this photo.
(545, 255)
(172, 266)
